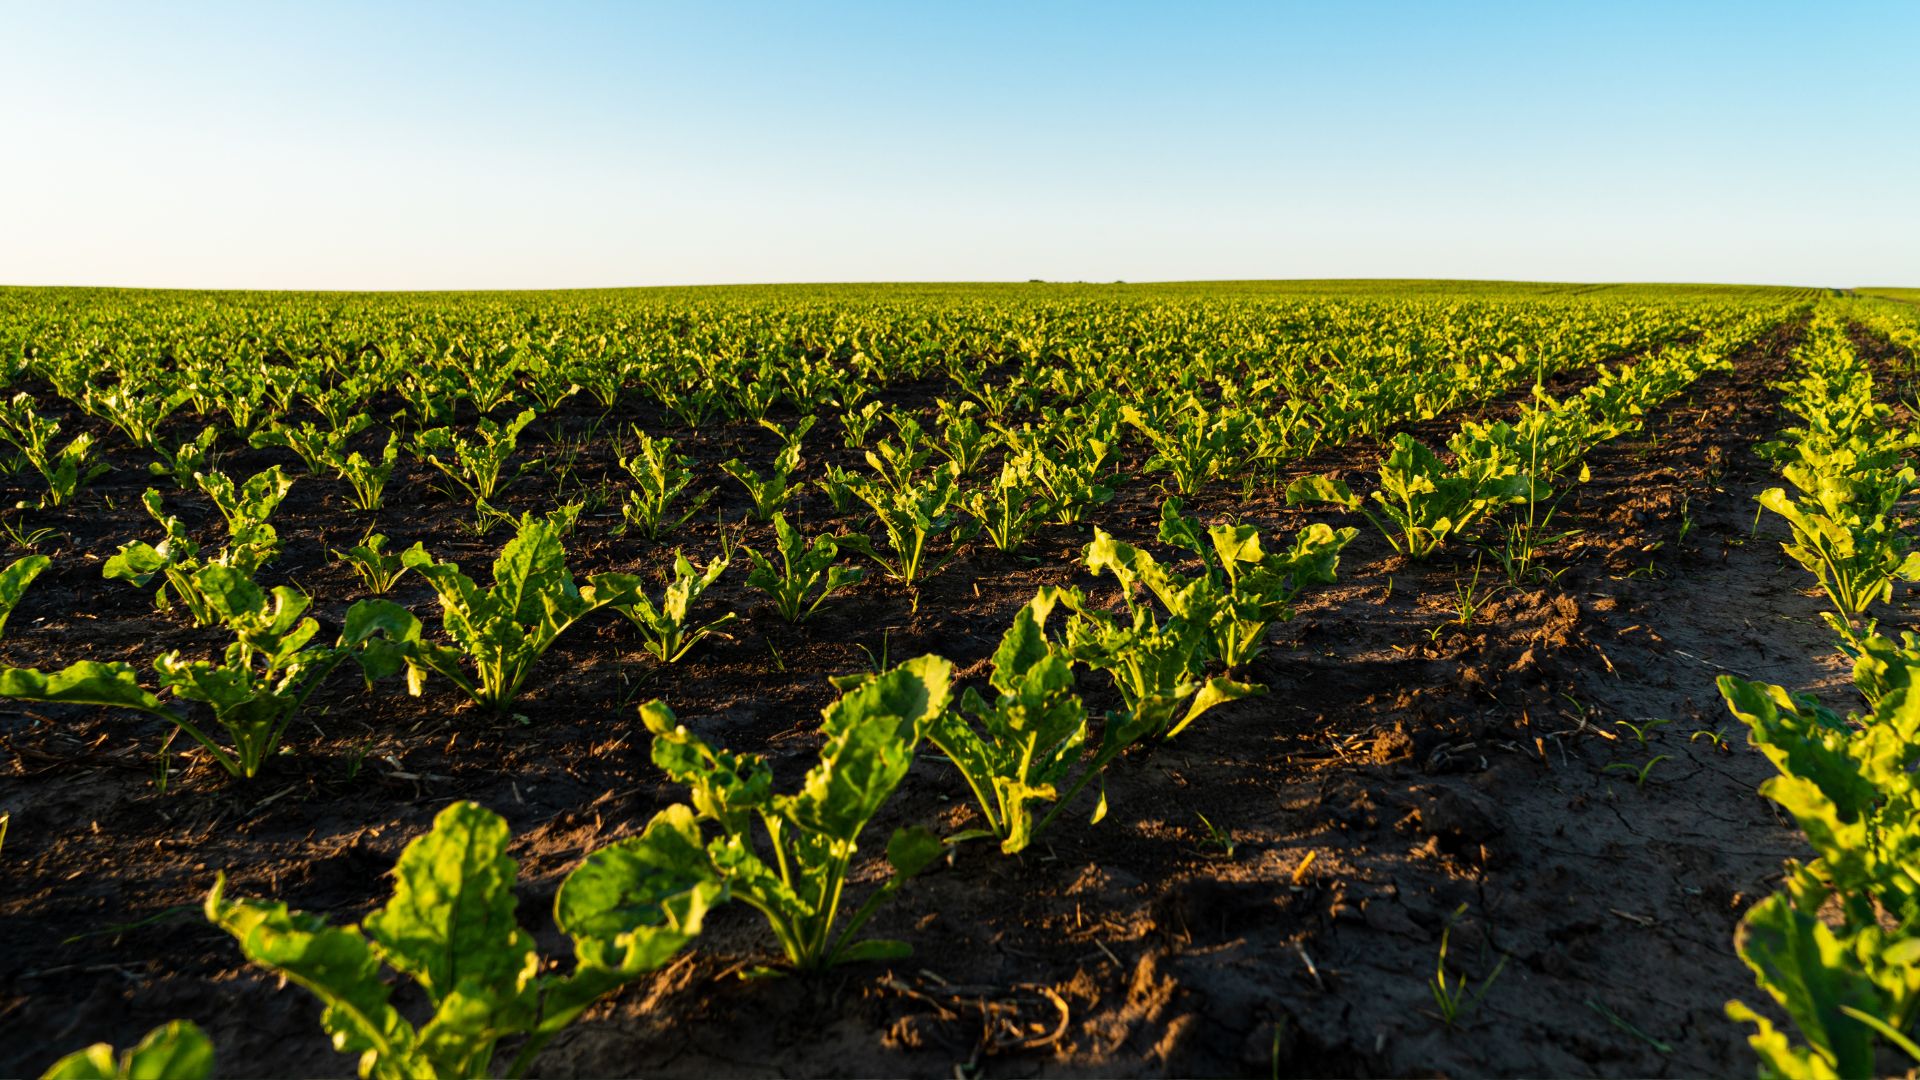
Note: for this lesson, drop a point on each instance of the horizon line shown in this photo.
(939, 282)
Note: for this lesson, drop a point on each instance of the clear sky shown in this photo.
(331, 144)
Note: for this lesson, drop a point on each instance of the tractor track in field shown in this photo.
(1420, 772)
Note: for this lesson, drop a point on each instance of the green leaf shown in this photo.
(874, 949)
(14, 581)
(338, 965)
(726, 786)
(871, 733)
(1322, 489)
(911, 850)
(631, 905)
(85, 682)
(136, 562)
(381, 636)
(174, 1051)
(452, 912)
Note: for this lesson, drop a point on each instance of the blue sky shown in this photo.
(477, 145)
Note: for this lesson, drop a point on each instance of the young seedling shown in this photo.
(1216, 838)
(1009, 508)
(316, 445)
(476, 464)
(367, 479)
(1638, 772)
(1453, 995)
(770, 494)
(837, 486)
(188, 459)
(1717, 738)
(245, 506)
(177, 560)
(1468, 599)
(806, 574)
(1018, 750)
(910, 516)
(660, 477)
(666, 626)
(31, 539)
(377, 568)
(1642, 731)
(1420, 502)
(857, 424)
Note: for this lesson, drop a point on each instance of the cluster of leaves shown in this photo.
(1846, 462)
(1838, 948)
(253, 690)
(499, 633)
(793, 868)
(32, 436)
(450, 928)
(252, 543)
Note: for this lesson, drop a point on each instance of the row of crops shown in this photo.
(836, 445)
(1838, 947)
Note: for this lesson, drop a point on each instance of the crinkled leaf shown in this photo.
(871, 733)
(452, 911)
(631, 905)
(338, 965)
(1321, 489)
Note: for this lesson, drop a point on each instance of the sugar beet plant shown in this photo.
(450, 928)
(667, 627)
(1244, 589)
(476, 463)
(1019, 750)
(1157, 664)
(771, 493)
(805, 574)
(655, 504)
(793, 867)
(910, 515)
(177, 560)
(1838, 948)
(497, 634)
(256, 687)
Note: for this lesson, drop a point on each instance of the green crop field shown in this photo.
(1080, 679)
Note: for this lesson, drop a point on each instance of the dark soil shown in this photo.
(1407, 773)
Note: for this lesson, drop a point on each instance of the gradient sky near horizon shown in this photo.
(482, 145)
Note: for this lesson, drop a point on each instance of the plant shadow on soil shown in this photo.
(1392, 775)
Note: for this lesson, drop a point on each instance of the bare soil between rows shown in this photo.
(1402, 766)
